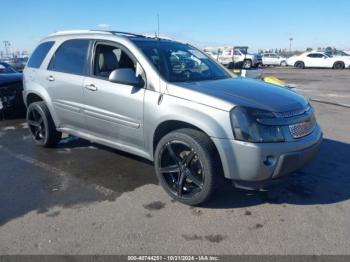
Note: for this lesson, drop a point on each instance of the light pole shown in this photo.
(290, 44)
(7, 47)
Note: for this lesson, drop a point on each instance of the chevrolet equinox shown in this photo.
(170, 103)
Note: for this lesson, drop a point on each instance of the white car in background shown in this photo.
(319, 60)
(272, 59)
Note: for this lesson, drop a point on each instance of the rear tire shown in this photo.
(299, 65)
(41, 125)
(338, 65)
(194, 183)
(247, 64)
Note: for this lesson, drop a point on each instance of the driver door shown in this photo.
(114, 111)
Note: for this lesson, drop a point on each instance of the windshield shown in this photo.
(244, 51)
(6, 69)
(178, 62)
(341, 53)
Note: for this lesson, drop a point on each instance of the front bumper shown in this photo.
(11, 100)
(254, 162)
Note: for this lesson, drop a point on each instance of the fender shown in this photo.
(41, 92)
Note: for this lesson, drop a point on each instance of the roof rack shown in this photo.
(120, 33)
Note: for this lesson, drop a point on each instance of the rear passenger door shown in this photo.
(114, 111)
(65, 76)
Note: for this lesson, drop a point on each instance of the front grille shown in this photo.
(294, 112)
(303, 128)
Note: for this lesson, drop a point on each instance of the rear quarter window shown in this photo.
(39, 54)
(71, 57)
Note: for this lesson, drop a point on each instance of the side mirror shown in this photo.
(126, 76)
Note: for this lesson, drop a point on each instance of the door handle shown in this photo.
(50, 78)
(91, 87)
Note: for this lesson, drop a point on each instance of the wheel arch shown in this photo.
(33, 95)
(297, 62)
(168, 126)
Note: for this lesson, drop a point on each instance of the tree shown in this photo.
(328, 48)
(309, 49)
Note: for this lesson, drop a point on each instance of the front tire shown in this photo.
(247, 64)
(299, 65)
(187, 166)
(41, 125)
(338, 65)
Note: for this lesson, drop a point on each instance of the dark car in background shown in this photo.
(337, 53)
(11, 87)
(18, 63)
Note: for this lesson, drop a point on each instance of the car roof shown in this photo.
(315, 52)
(87, 33)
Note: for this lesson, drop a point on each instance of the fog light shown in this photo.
(270, 161)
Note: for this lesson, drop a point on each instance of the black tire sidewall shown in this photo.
(38, 107)
(205, 159)
(299, 65)
(247, 61)
(338, 65)
(52, 136)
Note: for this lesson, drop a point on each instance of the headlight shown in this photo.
(246, 128)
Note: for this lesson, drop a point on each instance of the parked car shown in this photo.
(320, 60)
(272, 59)
(11, 101)
(237, 57)
(196, 121)
(17, 63)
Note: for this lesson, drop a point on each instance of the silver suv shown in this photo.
(170, 103)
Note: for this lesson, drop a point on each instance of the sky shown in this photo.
(259, 24)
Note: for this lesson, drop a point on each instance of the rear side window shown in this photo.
(71, 57)
(39, 54)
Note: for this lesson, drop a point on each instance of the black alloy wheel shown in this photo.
(188, 166)
(41, 125)
(181, 169)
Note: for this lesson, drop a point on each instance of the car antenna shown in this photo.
(158, 25)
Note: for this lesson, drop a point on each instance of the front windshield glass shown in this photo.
(244, 51)
(6, 69)
(178, 62)
(341, 53)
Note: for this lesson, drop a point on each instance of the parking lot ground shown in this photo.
(81, 198)
(320, 84)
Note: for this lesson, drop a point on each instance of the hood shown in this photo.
(224, 94)
(10, 78)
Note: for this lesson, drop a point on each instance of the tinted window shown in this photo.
(71, 57)
(315, 55)
(39, 54)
